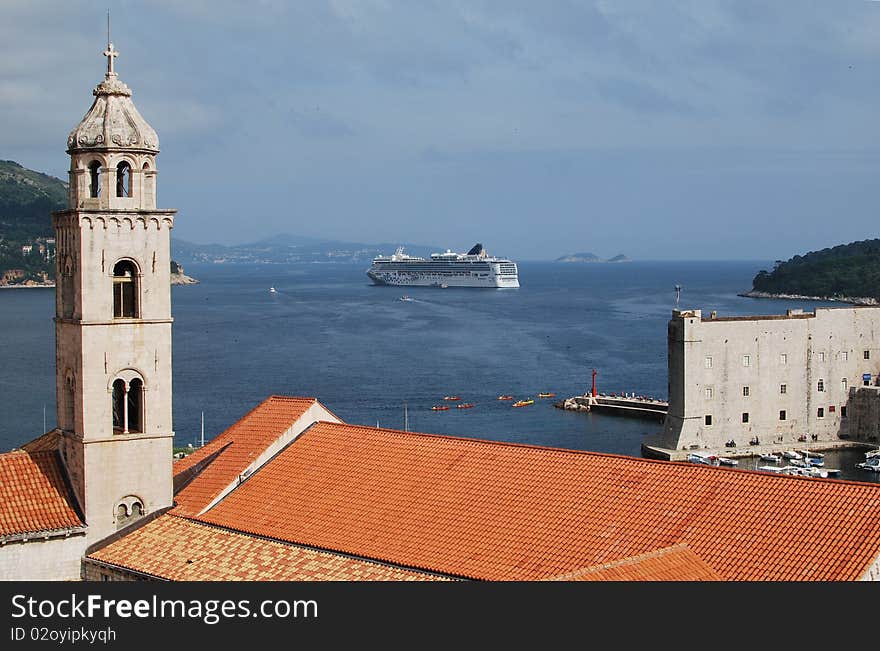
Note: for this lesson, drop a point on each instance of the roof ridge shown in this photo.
(591, 453)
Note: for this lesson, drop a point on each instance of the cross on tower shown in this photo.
(110, 53)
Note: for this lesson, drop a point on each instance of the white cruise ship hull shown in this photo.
(450, 279)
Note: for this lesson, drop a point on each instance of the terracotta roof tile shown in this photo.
(34, 495)
(202, 476)
(676, 563)
(501, 511)
(180, 549)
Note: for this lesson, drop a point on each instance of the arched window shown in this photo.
(119, 406)
(95, 178)
(128, 510)
(125, 290)
(135, 404)
(123, 179)
(128, 406)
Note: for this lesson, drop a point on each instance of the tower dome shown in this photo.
(113, 121)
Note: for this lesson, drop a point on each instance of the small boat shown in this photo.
(464, 405)
(777, 470)
(523, 403)
(791, 454)
(406, 298)
(800, 463)
(815, 463)
(832, 472)
(872, 454)
(451, 398)
(272, 290)
(693, 457)
(439, 408)
(547, 395)
(725, 461)
(773, 458)
(872, 464)
(816, 455)
(505, 397)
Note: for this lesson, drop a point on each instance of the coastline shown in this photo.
(853, 300)
(23, 286)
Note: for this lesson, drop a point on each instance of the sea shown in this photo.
(374, 359)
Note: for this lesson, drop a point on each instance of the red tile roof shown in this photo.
(500, 511)
(179, 549)
(676, 563)
(224, 459)
(34, 495)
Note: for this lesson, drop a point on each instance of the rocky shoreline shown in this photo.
(853, 300)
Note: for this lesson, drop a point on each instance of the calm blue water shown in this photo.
(330, 334)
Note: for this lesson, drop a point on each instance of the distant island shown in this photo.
(27, 239)
(849, 273)
(591, 257)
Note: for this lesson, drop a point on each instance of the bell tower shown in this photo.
(113, 315)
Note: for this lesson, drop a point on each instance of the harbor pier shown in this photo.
(626, 405)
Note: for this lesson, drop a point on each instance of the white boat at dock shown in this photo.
(776, 470)
(872, 464)
(704, 459)
(725, 461)
(773, 458)
(791, 454)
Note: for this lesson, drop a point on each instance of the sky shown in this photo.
(701, 129)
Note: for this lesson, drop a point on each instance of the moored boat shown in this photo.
(451, 398)
(464, 405)
(791, 454)
(505, 397)
(773, 458)
(547, 394)
(725, 461)
(523, 403)
(439, 408)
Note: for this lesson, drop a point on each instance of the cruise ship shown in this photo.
(472, 269)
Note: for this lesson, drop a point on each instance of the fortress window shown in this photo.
(783, 358)
(95, 179)
(747, 361)
(125, 290)
(844, 355)
(707, 363)
(821, 357)
(781, 414)
(745, 417)
(820, 386)
(783, 388)
(708, 419)
(867, 354)
(843, 385)
(123, 179)
(820, 412)
(708, 393)
(745, 392)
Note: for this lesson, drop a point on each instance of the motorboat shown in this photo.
(547, 395)
(505, 397)
(703, 459)
(272, 290)
(406, 298)
(872, 464)
(439, 408)
(523, 403)
(809, 453)
(464, 405)
(815, 463)
(725, 461)
(776, 470)
(773, 458)
(451, 398)
(791, 454)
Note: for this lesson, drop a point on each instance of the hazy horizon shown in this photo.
(739, 129)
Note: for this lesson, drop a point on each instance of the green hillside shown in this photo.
(26, 200)
(844, 271)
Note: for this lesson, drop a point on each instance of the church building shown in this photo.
(290, 492)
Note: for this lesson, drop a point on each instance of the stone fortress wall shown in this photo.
(773, 379)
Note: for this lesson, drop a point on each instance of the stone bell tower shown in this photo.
(113, 316)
